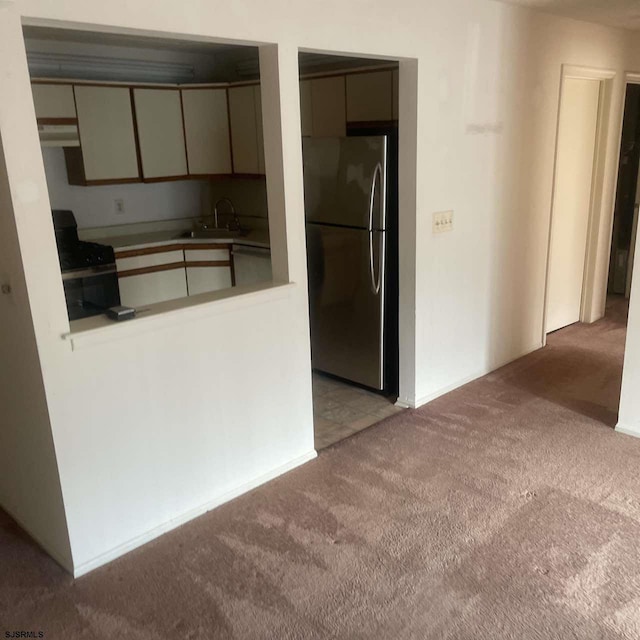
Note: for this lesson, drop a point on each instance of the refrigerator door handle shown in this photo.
(375, 286)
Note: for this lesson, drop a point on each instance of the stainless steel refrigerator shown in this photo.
(345, 183)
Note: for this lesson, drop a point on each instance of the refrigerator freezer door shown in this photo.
(346, 314)
(338, 178)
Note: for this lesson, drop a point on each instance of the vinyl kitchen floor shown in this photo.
(340, 410)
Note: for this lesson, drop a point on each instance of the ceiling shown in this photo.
(615, 13)
(124, 40)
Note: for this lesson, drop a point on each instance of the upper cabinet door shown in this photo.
(107, 138)
(206, 125)
(328, 107)
(244, 130)
(54, 101)
(370, 97)
(160, 133)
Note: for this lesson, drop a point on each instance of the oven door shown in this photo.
(90, 292)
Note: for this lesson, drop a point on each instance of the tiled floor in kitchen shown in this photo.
(340, 409)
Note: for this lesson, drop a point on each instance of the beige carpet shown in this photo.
(507, 509)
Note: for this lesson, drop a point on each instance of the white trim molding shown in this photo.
(601, 206)
(587, 73)
(628, 431)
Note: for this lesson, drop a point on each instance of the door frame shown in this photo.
(408, 182)
(606, 79)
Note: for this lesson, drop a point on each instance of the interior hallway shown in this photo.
(506, 509)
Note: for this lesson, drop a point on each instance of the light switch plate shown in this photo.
(442, 221)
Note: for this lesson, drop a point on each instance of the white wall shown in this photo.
(249, 196)
(629, 414)
(94, 206)
(190, 418)
(29, 483)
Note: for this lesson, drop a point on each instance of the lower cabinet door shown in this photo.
(252, 265)
(148, 288)
(206, 279)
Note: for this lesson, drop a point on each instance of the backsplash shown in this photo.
(95, 206)
(249, 196)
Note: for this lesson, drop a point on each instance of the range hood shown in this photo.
(58, 135)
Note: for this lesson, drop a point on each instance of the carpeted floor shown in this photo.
(506, 509)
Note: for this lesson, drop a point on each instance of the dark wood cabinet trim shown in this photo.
(147, 251)
(63, 121)
(232, 266)
(101, 183)
(136, 137)
(207, 246)
(167, 248)
(184, 133)
(166, 178)
(249, 175)
(206, 263)
(152, 269)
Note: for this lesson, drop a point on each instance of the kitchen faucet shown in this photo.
(233, 212)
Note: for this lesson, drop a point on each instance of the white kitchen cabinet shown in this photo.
(151, 277)
(107, 137)
(244, 130)
(370, 97)
(206, 124)
(328, 107)
(150, 288)
(306, 112)
(208, 270)
(252, 264)
(162, 257)
(160, 133)
(54, 101)
(207, 279)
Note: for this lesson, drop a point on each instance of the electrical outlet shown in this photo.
(442, 221)
(118, 206)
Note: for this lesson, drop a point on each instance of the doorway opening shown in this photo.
(349, 124)
(586, 309)
(625, 217)
(572, 276)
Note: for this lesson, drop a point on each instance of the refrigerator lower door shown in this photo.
(346, 300)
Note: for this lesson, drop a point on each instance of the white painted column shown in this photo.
(280, 87)
(279, 80)
(629, 414)
(407, 203)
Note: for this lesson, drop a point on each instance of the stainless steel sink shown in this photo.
(216, 233)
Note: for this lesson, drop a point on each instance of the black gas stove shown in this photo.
(85, 254)
(88, 269)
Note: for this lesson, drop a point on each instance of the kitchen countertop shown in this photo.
(255, 238)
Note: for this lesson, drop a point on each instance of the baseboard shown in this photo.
(410, 403)
(65, 563)
(628, 431)
(138, 541)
